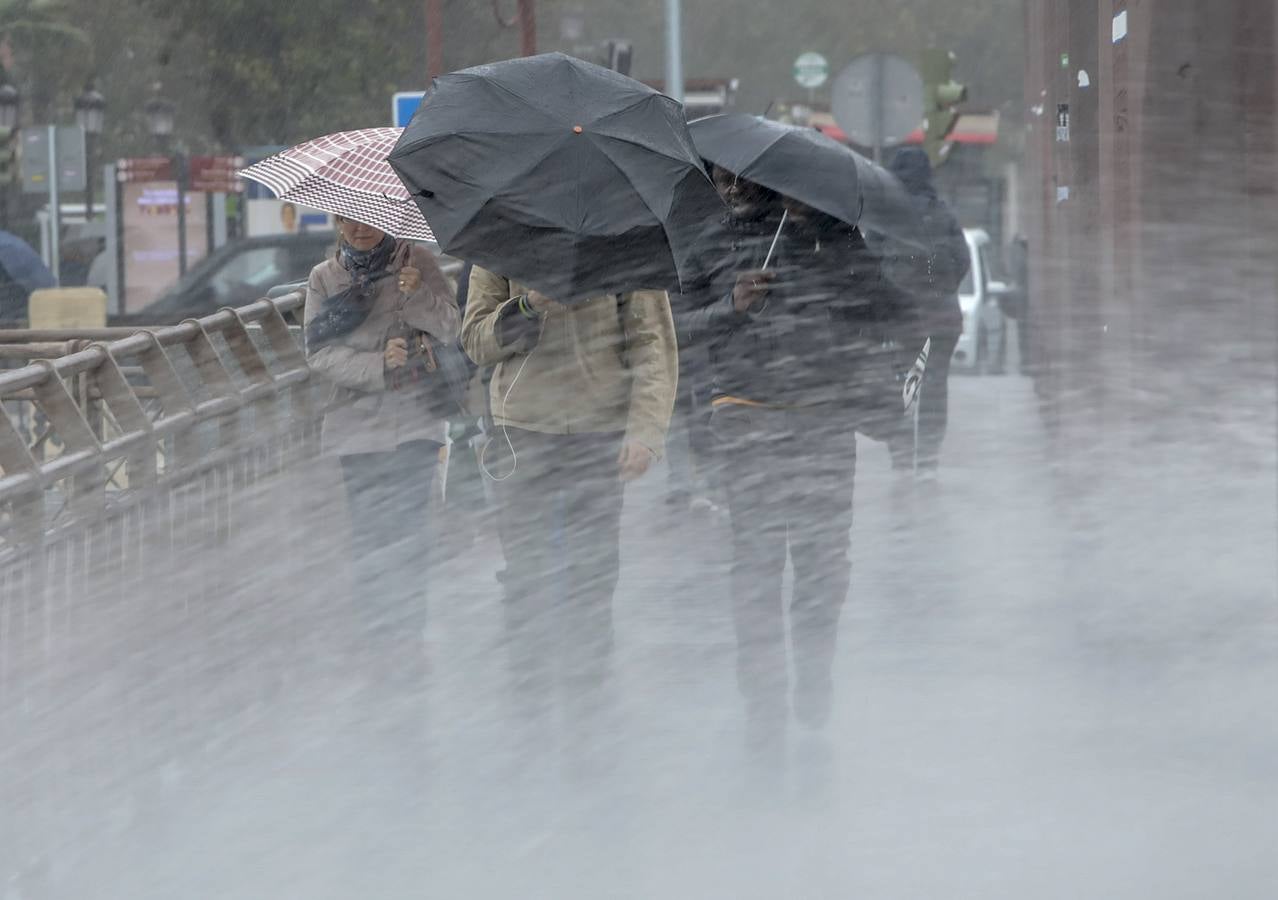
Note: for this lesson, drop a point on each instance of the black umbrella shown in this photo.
(560, 174)
(810, 167)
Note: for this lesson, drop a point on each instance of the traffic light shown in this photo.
(941, 94)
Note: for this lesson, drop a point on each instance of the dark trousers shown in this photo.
(689, 444)
(789, 479)
(559, 522)
(388, 495)
(933, 411)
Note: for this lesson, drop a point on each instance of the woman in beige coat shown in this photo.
(365, 307)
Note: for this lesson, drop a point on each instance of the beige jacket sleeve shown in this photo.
(345, 366)
(433, 306)
(652, 353)
(486, 298)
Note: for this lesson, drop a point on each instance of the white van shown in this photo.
(982, 346)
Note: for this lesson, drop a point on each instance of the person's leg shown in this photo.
(749, 448)
(1026, 362)
(382, 492)
(706, 477)
(388, 495)
(410, 478)
(527, 501)
(679, 483)
(819, 508)
(592, 492)
(934, 402)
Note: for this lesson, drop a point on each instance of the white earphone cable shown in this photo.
(505, 433)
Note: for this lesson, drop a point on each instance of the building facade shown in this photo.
(1150, 209)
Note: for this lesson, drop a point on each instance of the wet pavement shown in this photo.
(1049, 684)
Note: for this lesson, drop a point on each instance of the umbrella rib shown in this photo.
(465, 223)
(642, 198)
(401, 151)
(616, 137)
(776, 139)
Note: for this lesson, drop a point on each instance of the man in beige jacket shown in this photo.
(582, 396)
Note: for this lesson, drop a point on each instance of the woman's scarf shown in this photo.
(346, 310)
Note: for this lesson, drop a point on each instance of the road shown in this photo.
(1052, 682)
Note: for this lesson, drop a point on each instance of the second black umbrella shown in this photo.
(808, 166)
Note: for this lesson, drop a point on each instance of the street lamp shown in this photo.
(90, 110)
(160, 115)
(90, 113)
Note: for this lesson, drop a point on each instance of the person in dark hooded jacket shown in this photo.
(933, 283)
(787, 347)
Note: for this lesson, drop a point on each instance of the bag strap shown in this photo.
(623, 301)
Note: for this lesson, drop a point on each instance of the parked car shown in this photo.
(982, 347)
(243, 271)
(235, 274)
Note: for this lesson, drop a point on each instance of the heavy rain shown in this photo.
(562, 449)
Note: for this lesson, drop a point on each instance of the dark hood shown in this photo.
(912, 166)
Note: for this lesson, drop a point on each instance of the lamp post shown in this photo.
(160, 115)
(10, 101)
(90, 113)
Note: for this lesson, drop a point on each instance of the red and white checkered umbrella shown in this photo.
(346, 174)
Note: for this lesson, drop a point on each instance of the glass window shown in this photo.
(257, 268)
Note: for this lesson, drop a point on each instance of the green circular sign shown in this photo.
(811, 70)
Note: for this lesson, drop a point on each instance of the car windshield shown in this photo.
(198, 272)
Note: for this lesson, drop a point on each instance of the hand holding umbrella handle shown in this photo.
(409, 278)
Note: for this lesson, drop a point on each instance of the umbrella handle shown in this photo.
(401, 255)
(776, 237)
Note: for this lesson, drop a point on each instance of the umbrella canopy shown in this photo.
(346, 174)
(560, 174)
(810, 167)
(22, 265)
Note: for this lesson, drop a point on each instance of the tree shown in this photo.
(35, 37)
(258, 73)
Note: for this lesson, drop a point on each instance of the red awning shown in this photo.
(972, 128)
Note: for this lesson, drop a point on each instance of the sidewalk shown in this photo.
(1030, 702)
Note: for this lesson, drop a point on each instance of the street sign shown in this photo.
(215, 174)
(403, 105)
(811, 70)
(34, 166)
(144, 168)
(878, 99)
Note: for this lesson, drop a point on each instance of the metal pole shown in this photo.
(210, 229)
(434, 39)
(55, 201)
(88, 177)
(179, 165)
(219, 230)
(674, 49)
(114, 246)
(528, 27)
(880, 62)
